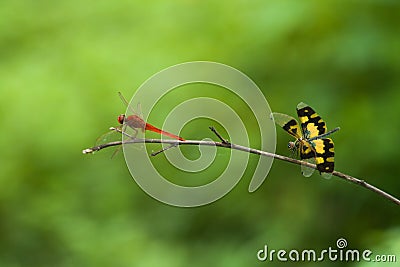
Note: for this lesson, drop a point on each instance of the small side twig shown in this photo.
(228, 145)
(224, 141)
(174, 145)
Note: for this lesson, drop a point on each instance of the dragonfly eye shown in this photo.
(121, 118)
(291, 145)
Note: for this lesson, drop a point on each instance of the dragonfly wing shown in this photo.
(326, 175)
(126, 103)
(108, 137)
(140, 114)
(288, 123)
(139, 110)
(324, 156)
(307, 154)
(307, 171)
(311, 123)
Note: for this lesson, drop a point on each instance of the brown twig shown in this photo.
(218, 135)
(226, 144)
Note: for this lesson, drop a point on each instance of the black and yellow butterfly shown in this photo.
(310, 144)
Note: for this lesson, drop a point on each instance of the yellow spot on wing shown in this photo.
(312, 130)
(319, 160)
(330, 159)
(319, 146)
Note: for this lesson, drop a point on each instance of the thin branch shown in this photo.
(226, 144)
(218, 135)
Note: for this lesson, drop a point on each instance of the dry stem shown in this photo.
(226, 144)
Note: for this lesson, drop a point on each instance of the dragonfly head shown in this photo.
(121, 118)
(292, 145)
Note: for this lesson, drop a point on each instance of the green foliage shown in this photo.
(62, 63)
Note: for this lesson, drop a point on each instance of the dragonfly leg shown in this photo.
(164, 149)
(136, 132)
(124, 133)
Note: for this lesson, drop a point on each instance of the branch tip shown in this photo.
(87, 151)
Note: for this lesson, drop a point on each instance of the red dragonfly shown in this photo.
(136, 122)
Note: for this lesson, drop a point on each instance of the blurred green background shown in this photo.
(61, 64)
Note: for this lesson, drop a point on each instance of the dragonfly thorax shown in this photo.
(121, 118)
